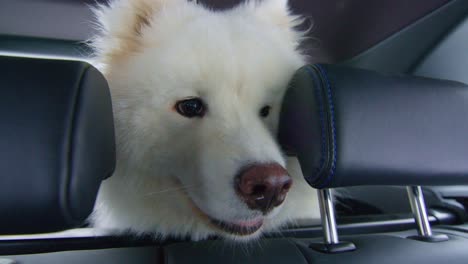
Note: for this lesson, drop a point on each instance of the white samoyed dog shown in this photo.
(196, 96)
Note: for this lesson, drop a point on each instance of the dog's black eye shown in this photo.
(192, 107)
(265, 111)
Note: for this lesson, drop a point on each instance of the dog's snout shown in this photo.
(263, 186)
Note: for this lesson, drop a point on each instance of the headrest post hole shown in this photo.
(331, 243)
(418, 207)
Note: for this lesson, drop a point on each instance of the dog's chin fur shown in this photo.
(175, 174)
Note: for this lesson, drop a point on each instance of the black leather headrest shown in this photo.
(357, 127)
(56, 143)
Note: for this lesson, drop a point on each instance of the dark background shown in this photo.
(341, 28)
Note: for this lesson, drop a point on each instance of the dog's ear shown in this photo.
(275, 10)
(121, 25)
(278, 13)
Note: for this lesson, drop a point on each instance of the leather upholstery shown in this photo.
(376, 248)
(56, 142)
(357, 127)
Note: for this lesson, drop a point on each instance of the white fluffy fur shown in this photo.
(156, 52)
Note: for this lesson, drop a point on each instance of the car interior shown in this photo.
(378, 121)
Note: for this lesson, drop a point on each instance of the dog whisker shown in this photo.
(180, 188)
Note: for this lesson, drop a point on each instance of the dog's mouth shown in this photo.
(240, 228)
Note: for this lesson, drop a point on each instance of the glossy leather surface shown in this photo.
(357, 127)
(56, 141)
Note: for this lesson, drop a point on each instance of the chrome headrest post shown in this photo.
(327, 213)
(331, 243)
(416, 199)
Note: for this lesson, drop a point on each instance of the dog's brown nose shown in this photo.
(263, 186)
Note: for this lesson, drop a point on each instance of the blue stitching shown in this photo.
(322, 119)
(332, 119)
(322, 122)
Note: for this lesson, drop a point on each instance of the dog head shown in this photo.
(196, 98)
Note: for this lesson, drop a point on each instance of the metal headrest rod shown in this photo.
(418, 207)
(331, 243)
